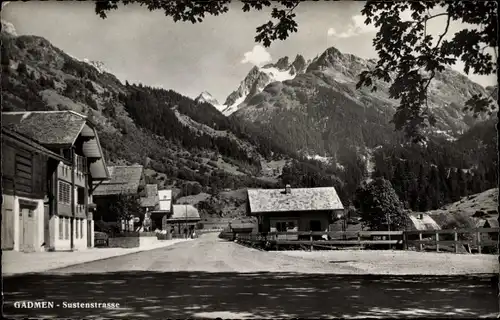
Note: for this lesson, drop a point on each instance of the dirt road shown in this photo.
(210, 278)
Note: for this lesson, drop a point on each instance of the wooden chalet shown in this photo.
(183, 219)
(294, 209)
(124, 180)
(51, 160)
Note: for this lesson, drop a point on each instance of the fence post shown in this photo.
(405, 241)
(479, 242)
(359, 239)
(455, 238)
(311, 239)
(437, 241)
(420, 246)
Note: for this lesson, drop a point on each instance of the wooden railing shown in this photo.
(391, 239)
(456, 238)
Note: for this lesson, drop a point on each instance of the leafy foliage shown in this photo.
(126, 207)
(410, 58)
(379, 206)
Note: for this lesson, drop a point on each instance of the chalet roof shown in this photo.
(7, 133)
(184, 212)
(55, 128)
(493, 222)
(59, 129)
(151, 199)
(124, 179)
(299, 199)
(425, 223)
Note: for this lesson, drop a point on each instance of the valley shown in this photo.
(290, 122)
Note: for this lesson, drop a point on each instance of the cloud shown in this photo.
(356, 27)
(257, 56)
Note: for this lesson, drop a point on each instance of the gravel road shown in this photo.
(210, 278)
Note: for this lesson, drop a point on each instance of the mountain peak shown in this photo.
(206, 97)
(282, 64)
(8, 28)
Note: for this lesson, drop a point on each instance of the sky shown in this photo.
(147, 47)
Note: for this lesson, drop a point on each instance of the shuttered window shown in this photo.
(61, 228)
(81, 227)
(77, 222)
(64, 193)
(66, 222)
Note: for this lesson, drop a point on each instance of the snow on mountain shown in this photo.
(206, 97)
(259, 77)
(97, 64)
(9, 28)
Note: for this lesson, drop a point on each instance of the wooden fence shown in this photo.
(432, 239)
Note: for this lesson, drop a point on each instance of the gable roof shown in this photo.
(151, 199)
(299, 199)
(184, 212)
(426, 223)
(124, 179)
(51, 128)
(493, 223)
(30, 143)
(59, 129)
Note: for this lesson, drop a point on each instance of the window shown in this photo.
(66, 229)
(315, 225)
(281, 226)
(61, 228)
(81, 228)
(80, 195)
(64, 193)
(77, 222)
(291, 225)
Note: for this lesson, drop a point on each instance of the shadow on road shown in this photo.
(156, 295)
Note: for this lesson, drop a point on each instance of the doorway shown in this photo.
(89, 232)
(27, 228)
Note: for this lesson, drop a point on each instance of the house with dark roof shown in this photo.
(182, 221)
(128, 181)
(52, 160)
(294, 209)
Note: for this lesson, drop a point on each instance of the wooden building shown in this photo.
(124, 180)
(294, 209)
(59, 178)
(182, 221)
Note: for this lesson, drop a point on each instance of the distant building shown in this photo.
(488, 223)
(294, 209)
(183, 219)
(125, 180)
(421, 221)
